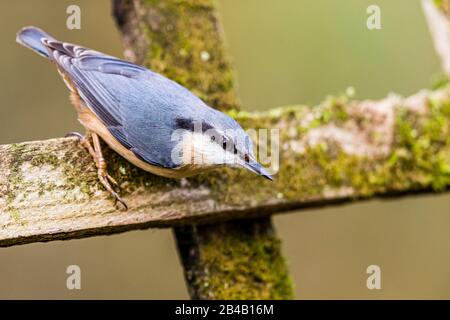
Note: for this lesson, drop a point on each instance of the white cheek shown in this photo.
(198, 149)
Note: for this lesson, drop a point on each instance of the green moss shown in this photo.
(439, 81)
(74, 166)
(241, 263)
(15, 177)
(423, 145)
(45, 159)
(15, 214)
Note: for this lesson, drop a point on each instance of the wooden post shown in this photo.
(183, 40)
(240, 259)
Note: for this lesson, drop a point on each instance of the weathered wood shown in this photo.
(338, 151)
(183, 40)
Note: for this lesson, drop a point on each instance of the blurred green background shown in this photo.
(285, 52)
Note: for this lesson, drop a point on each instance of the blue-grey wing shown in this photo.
(139, 107)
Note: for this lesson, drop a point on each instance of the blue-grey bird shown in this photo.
(150, 120)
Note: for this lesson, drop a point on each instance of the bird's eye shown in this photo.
(224, 144)
(213, 138)
(246, 158)
(235, 150)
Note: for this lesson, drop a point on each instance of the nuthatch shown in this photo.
(153, 122)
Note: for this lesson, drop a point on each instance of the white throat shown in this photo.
(199, 150)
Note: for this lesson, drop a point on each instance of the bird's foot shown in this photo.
(85, 142)
(96, 153)
(106, 180)
(74, 134)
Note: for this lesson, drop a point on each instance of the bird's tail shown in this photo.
(31, 37)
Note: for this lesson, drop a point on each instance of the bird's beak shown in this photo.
(255, 167)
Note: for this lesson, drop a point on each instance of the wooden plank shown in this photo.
(340, 150)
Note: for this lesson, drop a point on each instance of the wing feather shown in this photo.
(130, 100)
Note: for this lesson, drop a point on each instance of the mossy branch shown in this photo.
(338, 151)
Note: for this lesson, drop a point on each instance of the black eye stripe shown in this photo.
(216, 136)
(189, 124)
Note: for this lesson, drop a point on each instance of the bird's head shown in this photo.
(217, 140)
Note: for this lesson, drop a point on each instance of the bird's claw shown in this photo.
(118, 199)
(112, 180)
(84, 140)
(74, 134)
(105, 178)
